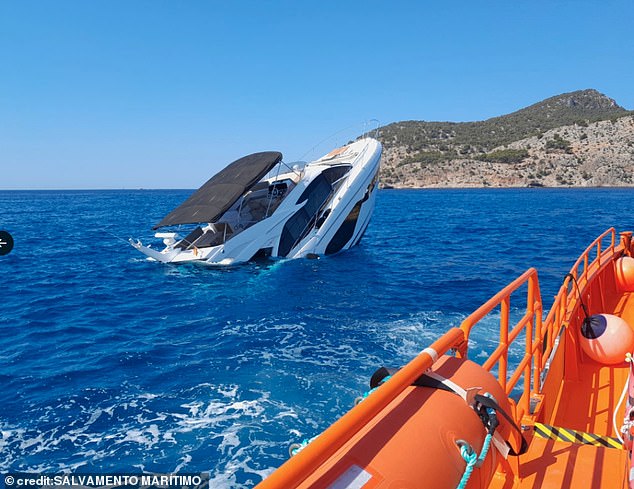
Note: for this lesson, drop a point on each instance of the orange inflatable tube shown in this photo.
(414, 441)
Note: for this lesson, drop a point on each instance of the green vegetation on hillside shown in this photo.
(504, 156)
(427, 158)
(558, 144)
(438, 141)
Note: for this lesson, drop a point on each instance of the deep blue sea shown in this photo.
(112, 363)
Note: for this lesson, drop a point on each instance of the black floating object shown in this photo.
(6, 243)
(594, 326)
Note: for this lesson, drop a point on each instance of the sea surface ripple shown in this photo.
(112, 363)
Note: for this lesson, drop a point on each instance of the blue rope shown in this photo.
(485, 448)
(487, 440)
(298, 447)
(471, 458)
(366, 394)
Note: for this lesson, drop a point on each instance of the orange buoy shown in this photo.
(606, 338)
(624, 271)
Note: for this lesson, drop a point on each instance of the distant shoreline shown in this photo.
(607, 187)
(542, 187)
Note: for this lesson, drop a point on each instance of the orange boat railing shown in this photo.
(527, 325)
(540, 337)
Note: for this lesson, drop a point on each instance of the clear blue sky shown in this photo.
(162, 94)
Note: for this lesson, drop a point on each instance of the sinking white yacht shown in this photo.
(260, 207)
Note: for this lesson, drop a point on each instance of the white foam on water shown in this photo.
(243, 432)
(216, 413)
(230, 440)
(229, 391)
(36, 442)
(226, 478)
(183, 463)
(131, 422)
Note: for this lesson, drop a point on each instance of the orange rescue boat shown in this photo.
(563, 416)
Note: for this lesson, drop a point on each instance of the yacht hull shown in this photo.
(325, 209)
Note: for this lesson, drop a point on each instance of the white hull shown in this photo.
(324, 208)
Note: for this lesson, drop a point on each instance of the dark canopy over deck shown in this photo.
(222, 190)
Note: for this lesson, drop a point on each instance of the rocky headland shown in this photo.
(579, 139)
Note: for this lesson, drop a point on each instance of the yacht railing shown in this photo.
(376, 129)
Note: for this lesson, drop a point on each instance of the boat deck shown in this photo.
(566, 408)
(558, 464)
(586, 405)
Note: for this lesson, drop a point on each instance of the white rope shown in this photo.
(626, 421)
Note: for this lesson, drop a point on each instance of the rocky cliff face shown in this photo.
(597, 149)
